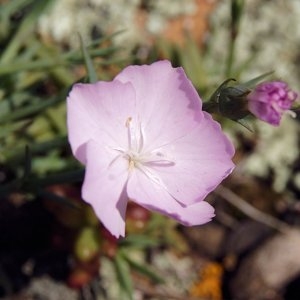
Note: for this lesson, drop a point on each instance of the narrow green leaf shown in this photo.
(144, 270)
(27, 66)
(251, 83)
(192, 61)
(26, 112)
(62, 61)
(7, 9)
(124, 276)
(88, 63)
(24, 30)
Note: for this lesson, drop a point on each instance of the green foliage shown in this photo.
(124, 277)
(35, 78)
(190, 57)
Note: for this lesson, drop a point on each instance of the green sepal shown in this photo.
(253, 82)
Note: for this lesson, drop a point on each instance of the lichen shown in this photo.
(276, 151)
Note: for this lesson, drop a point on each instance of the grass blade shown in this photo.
(88, 63)
(124, 276)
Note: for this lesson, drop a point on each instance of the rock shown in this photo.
(265, 273)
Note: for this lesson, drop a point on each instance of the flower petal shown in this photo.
(104, 186)
(152, 196)
(168, 104)
(265, 112)
(202, 160)
(99, 111)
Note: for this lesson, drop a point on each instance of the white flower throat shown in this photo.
(137, 157)
(135, 154)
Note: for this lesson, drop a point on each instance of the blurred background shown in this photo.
(51, 244)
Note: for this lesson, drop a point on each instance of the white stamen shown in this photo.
(135, 156)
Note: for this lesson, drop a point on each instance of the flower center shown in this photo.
(137, 158)
(146, 162)
(134, 160)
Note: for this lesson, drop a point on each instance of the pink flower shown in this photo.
(144, 137)
(269, 100)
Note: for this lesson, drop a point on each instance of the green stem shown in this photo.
(230, 58)
(237, 7)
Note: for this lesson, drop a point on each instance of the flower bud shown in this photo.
(267, 101)
(229, 101)
(270, 100)
(232, 102)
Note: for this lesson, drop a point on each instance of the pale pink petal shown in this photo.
(99, 111)
(202, 159)
(168, 104)
(150, 195)
(104, 186)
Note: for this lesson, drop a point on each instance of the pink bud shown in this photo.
(270, 100)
